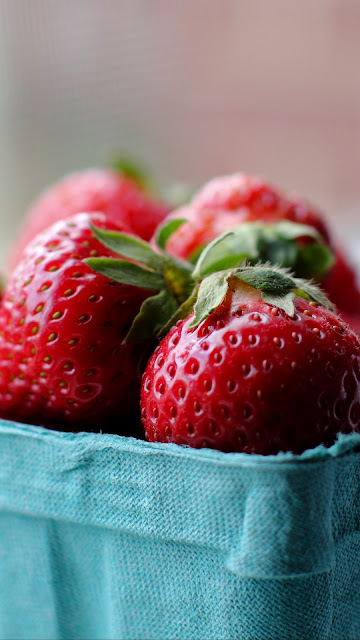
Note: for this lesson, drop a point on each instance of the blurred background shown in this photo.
(192, 89)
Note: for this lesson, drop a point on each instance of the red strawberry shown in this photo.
(352, 320)
(302, 212)
(241, 374)
(62, 325)
(117, 196)
(342, 287)
(231, 200)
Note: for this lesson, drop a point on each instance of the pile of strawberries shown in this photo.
(208, 320)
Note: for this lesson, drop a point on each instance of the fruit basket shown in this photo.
(111, 537)
(239, 516)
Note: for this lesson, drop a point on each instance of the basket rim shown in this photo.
(345, 444)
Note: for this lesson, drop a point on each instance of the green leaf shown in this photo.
(131, 169)
(266, 278)
(275, 243)
(228, 250)
(293, 230)
(300, 293)
(166, 230)
(154, 313)
(254, 242)
(314, 292)
(178, 279)
(314, 261)
(226, 262)
(182, 312)
(195, 255)
(278, 251)
(126, 273)
(212, 292)
(130, 247)
(285, 302)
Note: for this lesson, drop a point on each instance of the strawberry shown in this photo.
(302, 212)
(229, 201)
(254, 368)
(61, 331)
(352, 320)
(342, 287)
(69, 336)
(115, 194)
(232, 200)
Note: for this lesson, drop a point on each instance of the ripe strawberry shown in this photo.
(352, 320)
(62, 325)
(232, 200)
(229, 201)
(302, 212)
(254, 369)
(116, 195)
(342, 287)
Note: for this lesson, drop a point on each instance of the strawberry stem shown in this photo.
(239, 255)
(278, 288)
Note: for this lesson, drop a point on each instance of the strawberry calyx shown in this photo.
(166, 230)
(131, 169)
(243, 256)
(276, 285)
(289, 244)
(168, 278)
(175, 194)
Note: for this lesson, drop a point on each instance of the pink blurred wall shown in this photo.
(192, 88)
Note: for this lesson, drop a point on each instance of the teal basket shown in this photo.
(110, 537)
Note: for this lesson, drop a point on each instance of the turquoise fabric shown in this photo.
(110, 537)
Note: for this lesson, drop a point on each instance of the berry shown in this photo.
(228, 201)
(117, 196)
(352, 320)
(241, 374)
(301, 212)
(62, 326)
(342, 287)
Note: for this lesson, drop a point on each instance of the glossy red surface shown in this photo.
(118, 197)
(230, 200)
(251, 379)
(62, 360)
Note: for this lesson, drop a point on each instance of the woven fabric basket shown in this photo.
(110, 537)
